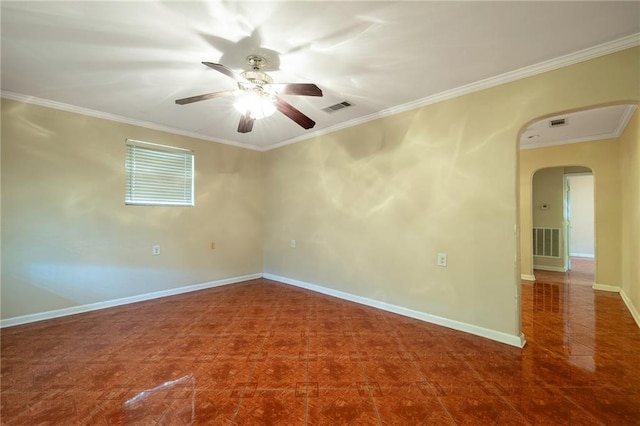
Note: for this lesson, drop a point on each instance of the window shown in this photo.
(158, 175)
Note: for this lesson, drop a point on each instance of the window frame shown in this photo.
(151, 157)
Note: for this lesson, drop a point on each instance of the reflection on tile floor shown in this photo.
(264, 353)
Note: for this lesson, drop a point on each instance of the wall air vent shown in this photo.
(338, 106)
(546, 242)
(558, 122)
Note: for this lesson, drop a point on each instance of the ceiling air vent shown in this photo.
(558, 122)
(338, 106)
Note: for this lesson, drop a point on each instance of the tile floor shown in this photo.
(264, 353)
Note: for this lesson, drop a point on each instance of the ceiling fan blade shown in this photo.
(226, 71)
(246, 123)
(293, 113)
(204, 97)
(303, 89)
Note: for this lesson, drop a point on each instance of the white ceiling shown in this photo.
(580, 126)
(130, 60)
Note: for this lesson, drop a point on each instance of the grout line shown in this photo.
(253, 369)
(396, 336)
(556, 389)
(364, 371)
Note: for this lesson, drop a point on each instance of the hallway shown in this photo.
(585, 343)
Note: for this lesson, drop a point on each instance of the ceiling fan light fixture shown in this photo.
(257, 97)
(257, 105)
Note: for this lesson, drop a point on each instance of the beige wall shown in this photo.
(69, 240)
(630, 159)
(548, 188)
(602, 157)
(371, 206)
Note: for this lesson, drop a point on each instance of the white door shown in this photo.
(581, 216)
(566, 221)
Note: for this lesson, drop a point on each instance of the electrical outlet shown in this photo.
(442, 259)
(293, 244)
(155, 250)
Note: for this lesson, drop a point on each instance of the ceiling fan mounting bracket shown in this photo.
(257, 78)
(256, 61)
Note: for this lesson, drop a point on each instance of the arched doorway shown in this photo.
(597, 153)
(563, 221)
(595, 150)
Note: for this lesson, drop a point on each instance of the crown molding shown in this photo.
(624, 120)
(569, 141)
(117, 118)
(593, 52)
(615, 133)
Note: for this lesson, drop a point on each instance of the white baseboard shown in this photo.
(606, 287)
(614, 289)
(518, 341)
(527, 277)
(585, 255)
(550, 268)
(634, 312)
(41, 316)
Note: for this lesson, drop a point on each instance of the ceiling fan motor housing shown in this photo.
(256, 77)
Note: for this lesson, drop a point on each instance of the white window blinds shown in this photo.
(158, 175)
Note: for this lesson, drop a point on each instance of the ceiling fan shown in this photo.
(257, 95)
